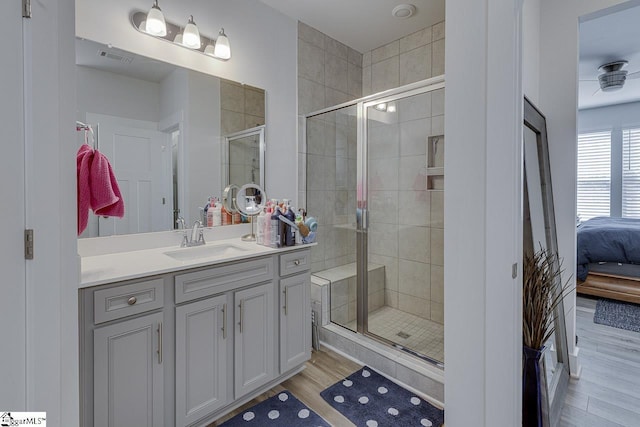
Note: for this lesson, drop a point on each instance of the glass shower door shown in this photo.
(403, 192)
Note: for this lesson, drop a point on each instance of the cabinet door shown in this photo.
(295, 321)
(255, 336)
(201, 358)
(128, 373)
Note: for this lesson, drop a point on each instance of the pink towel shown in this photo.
(97, 187)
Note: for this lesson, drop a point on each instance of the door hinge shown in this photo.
(28, 244)
(26, 8)
(514, 270)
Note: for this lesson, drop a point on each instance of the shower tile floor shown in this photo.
(424, 336)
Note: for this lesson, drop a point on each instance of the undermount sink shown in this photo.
(205, 251)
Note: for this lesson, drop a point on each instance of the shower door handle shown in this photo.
(362, 219)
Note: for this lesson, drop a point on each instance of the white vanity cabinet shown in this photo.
(202, 347)
(187, 347)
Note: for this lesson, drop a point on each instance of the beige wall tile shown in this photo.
(413, 138)
(354, 57)
(437, 58)
(383, 174)
(366, 81)
(414, 278)
(415, 65)
(336, 73)
(310, 62)
(383, 206)
(437, 283)
(414, 40)
(385, 74)
(437, 209)
(384, 142)
(437, 246)
(231, 121)
(254, 102)
(366, 59)
(311, 96)
(232, 95)
(335, 97)
(415, 107)
(376, 300)
(386, 51)
(414, 243)
(437, 312)
(334, 47)
(310, 35)
(390, 269)
(437, 102)
(315, 136)
(438, 31)
(437, 125)
(414, 208)
(391, 298)
(417, 306)
(383, 239)
(413, 173)
(354, 81)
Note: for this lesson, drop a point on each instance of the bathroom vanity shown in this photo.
(181, 336)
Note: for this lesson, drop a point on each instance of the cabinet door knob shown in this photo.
(132, 300)
(296, 262)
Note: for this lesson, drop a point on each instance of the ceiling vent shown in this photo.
(613, 76)
(115, 56)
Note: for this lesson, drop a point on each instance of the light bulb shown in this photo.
(178, 38)
(191, 35)
(209, 50)
(222, 49)
(155, 21)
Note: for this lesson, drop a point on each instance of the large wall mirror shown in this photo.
(165, 130)
(540, 231)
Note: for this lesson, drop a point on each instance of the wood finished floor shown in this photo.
(606, 395)
(324, 369)
(608, 391)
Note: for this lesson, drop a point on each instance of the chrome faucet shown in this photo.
(197, 234)
(185, 237)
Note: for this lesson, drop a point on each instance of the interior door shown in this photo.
(140, 159)
(12, 291)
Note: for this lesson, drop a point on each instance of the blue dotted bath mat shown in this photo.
(370, 400)
(280, 410)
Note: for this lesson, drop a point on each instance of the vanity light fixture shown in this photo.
(189, 38)
(222, 49)
(191, 35)
(155, 23)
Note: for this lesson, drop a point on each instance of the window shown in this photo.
(631, 173)
(594, 174)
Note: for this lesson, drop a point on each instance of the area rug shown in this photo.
(368, 399)
(280, 410)
(623, 315)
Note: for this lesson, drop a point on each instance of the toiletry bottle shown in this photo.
(275, 227)
(226, 216)
(290, 232)
(260, 227)
(209, 213)
(267, 225)
(217, 214)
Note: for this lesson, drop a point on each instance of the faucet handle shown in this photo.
(201, 237)
(180, 222)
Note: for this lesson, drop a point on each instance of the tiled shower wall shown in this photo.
(410, 243)
(241, 106)
(329, 73)
(415, 57)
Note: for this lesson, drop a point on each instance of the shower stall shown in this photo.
(375, 181)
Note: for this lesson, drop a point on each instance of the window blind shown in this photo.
(631, 173)
(594, 174)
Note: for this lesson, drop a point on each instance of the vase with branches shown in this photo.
(542, 292)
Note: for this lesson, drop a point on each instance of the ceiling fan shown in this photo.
(613, 77)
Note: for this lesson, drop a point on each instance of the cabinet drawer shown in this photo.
(295, 262)
(222, 279)
(126, 300)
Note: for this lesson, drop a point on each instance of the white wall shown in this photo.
(103, 92)
(609, 117)
(531, 50)
(558, 101)
(483, 234)
(264, 49)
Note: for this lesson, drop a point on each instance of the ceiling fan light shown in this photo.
(155, 24)
(191, 35)
(222, 49)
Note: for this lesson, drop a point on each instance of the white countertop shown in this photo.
(116, 267)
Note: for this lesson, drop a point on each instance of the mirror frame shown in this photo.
(536, 122)
(258, 130)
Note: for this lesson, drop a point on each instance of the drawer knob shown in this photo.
(296, 262)
(132, 300)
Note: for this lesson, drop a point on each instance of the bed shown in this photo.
(609, 258)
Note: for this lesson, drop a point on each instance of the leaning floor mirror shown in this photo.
(540, 232)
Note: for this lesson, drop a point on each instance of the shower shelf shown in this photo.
(435, 171)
